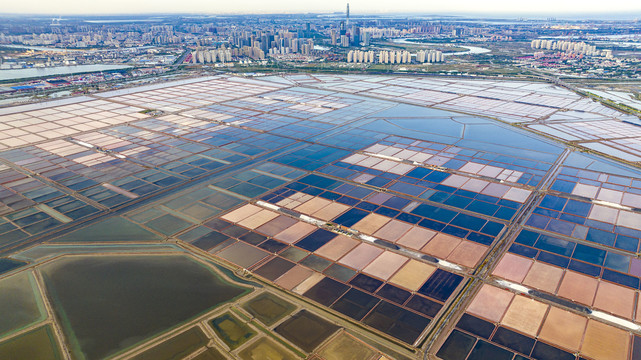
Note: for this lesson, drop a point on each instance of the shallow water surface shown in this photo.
(109, 303)
(19, 304)
(35, 344)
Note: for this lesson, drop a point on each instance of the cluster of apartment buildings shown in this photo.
(429, 56)
(570, 47)
(220, 55)
(394, 57)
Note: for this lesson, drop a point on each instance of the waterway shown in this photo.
(13, 74)
(470, 49)
(40, 48)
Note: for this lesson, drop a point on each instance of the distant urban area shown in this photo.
(49, 57)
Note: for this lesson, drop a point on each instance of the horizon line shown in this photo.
(573, 14)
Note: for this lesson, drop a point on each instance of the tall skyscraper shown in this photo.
(347, 23)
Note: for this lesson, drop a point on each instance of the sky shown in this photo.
(539, 7)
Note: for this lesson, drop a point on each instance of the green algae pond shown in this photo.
(39, 343)
(107, 304)
(177, 347)
(268, 308)
(265, 349)
(210, 354)
(231, 330)
(20, 303)
(346, 347)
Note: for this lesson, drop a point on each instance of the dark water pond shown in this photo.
(109, 303)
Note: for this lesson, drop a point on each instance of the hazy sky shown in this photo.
(297, 6)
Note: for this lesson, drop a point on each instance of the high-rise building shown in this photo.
(567, 47)
(367, 37)
(358, 56)
(405, 57)
(356, 35)
(344, 41)
(306, 49)
(347, 14)
(394, 57)
(429, 56)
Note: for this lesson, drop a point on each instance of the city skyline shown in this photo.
(496, 7)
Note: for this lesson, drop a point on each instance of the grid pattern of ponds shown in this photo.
(12, 185)
(590, 260)
(474, 162)
(380, 210)
(192, 95)
(362, 202)
(558, 113)
(501, 325)
(34, 126)
(621, 190)
(588, 221)
(461, 192)
(306, 267)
